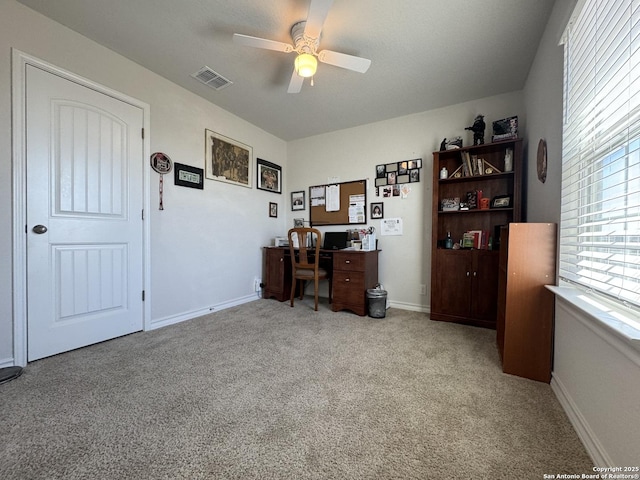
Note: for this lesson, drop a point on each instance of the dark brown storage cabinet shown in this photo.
(276, 274)
(525, 306)
(464, 282)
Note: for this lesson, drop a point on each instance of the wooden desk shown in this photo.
(353, 272)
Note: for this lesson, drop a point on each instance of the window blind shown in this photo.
(600, 211)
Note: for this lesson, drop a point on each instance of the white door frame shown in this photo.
(20, 61)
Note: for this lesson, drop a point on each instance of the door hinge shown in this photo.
(143, 214)
(143, 295)
(143, 133)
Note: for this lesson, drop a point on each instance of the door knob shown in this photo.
(39, 229)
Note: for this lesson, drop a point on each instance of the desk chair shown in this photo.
(305, 261)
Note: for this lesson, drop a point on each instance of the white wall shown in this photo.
(352, 154)
(205, 245)
(598, 384)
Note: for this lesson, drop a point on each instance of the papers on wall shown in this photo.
(317, 196)
(356, 209)
(391, 226)
(333, 198)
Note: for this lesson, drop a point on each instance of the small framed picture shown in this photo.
(501, 201)
(377, 210)
(188, 176)
(269, 176)
(273, 209)
(297, 201)
(298, 222)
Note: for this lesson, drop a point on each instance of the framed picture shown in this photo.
(297, 201)
(501, 201)
(377, 210)
(269, 176)
(188, 176)
(298, 222)
(505, 129)
(227, 160)
(273, 210)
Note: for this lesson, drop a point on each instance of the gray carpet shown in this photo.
(265, 391)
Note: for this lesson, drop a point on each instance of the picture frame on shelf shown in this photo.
(450, 204)
(227, 160)
(269, 176)
(501, 201)
(505, 129)
(297, 201)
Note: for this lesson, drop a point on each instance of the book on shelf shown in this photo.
(472, 165)
(477, 239)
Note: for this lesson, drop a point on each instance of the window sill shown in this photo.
(620, 322)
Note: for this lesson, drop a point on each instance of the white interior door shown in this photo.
(84, 215)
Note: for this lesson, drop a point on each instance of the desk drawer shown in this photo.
(348, 286)
(353, 262)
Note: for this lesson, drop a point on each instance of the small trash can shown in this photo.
(377, 299)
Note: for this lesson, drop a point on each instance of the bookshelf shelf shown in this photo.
(465, 281)
(475, 211)
(476, 178)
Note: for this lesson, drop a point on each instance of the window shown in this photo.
(600, 213)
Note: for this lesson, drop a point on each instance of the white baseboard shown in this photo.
(173, 319)
(585, 433)
(413, 307)
(7, 362)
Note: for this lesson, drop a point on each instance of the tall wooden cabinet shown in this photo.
(464, 282)
(525, 306)
(276, 276)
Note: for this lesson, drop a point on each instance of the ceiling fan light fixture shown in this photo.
(306, 65)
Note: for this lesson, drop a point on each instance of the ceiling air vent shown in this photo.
(211, 78)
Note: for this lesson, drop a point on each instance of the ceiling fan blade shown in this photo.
(256, 42)
(342, 60)
(295, 85)
(318, 11)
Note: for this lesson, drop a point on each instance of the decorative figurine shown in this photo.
(478, 130)
(443, 145)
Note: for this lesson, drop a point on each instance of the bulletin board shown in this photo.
(318, 214)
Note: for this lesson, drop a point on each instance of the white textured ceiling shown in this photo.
(425, 53)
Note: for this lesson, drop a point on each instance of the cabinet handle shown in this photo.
(467, 274)
(282, 259)
(475, 274)
(347, 261)
(346, 279)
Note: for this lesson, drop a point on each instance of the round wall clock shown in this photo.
(542, 160)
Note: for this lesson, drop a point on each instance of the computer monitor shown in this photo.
(335, 240)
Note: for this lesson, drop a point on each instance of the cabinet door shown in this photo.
(453, 283)
(484, 292)
(274, 273)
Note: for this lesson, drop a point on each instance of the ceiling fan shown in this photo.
(306, 37)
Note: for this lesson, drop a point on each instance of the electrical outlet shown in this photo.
(423, 289)
(256, 284)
